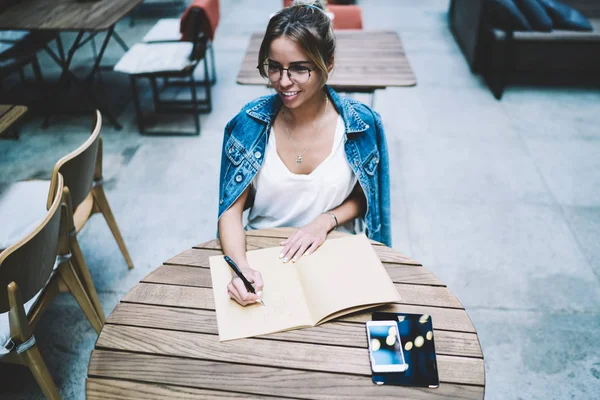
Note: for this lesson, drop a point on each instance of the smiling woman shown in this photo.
(304, 157)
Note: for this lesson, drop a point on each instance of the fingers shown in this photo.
(312, 248)
(291, 251)
(299, 248)
(257, 280)
(287, 245)
(301, 251)
(237, 291)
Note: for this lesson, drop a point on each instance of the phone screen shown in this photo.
(416, 332)
(385, 345)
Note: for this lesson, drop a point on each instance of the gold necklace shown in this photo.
(299, 155)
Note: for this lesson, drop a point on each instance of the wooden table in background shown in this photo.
(83, 17)
(364, 61)
(65, 15)
(161, 341)
(9, 114)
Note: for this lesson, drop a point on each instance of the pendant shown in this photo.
(299, 160)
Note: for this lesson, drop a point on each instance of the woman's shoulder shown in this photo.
(366, 113)
(252, 105)
(359, 116)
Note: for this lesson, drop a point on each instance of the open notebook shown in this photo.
(343, 276)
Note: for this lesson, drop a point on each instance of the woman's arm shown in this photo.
(308, 238)
(233, 242)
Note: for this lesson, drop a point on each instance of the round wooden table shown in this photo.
(161, 341)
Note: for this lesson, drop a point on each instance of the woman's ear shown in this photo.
(330, 65)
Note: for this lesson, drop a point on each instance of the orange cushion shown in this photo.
(346, 17)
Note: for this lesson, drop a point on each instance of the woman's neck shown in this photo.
(309, 111)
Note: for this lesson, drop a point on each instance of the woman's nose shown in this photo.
(285, 79)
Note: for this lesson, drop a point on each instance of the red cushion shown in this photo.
(346, 17)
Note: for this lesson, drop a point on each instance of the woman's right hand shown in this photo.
(237, 289)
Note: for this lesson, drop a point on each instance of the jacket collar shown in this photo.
(267, 108)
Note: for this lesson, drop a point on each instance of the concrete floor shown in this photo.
(500, 199)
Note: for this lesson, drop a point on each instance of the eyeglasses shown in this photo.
(296, 73)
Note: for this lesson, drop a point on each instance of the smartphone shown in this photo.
(385, 347)
(416, 333)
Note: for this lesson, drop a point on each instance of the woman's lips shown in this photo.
(289, 95)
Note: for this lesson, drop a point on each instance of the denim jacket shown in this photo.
(246, 138)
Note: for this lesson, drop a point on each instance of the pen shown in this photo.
(247, 283)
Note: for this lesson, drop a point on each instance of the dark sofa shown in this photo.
(503, 57)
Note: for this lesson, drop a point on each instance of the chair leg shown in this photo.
(195, 101)
(102, 203)
(70, 278)
(83, 273)
(212, 62)
(33, 359)
(155, 97)
(207, 85)
(136, 103)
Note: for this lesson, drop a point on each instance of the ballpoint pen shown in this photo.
(247, 283)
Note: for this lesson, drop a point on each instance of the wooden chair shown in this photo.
(82, 172)
(32, 266)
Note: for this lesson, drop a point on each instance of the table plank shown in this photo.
(110, 389)
(200, 297)
(65, 15)
(200, 275)
(452, 319)
(270, 353)
(341, 333)
(208, 375)
(194, 257)
(354, 68)
(443, 318)
(259, 242)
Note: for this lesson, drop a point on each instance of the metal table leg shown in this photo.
(85, 84)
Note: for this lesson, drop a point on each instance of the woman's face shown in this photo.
(286, 53)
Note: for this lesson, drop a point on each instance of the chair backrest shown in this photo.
(196, 30)
(78, 167)
(30, 261)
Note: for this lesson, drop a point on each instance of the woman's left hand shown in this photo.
(306, 239)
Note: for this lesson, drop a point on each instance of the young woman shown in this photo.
(304, 157)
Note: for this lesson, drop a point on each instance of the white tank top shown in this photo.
(285, 199)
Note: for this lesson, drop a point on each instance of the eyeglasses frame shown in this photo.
(281, 69)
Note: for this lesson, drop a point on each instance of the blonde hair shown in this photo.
(307, 24)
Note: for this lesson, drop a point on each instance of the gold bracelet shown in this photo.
(334, 218)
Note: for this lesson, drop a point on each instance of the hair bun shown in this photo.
(310, 3)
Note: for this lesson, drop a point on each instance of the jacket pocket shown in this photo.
(371, 163)
(235, 152)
